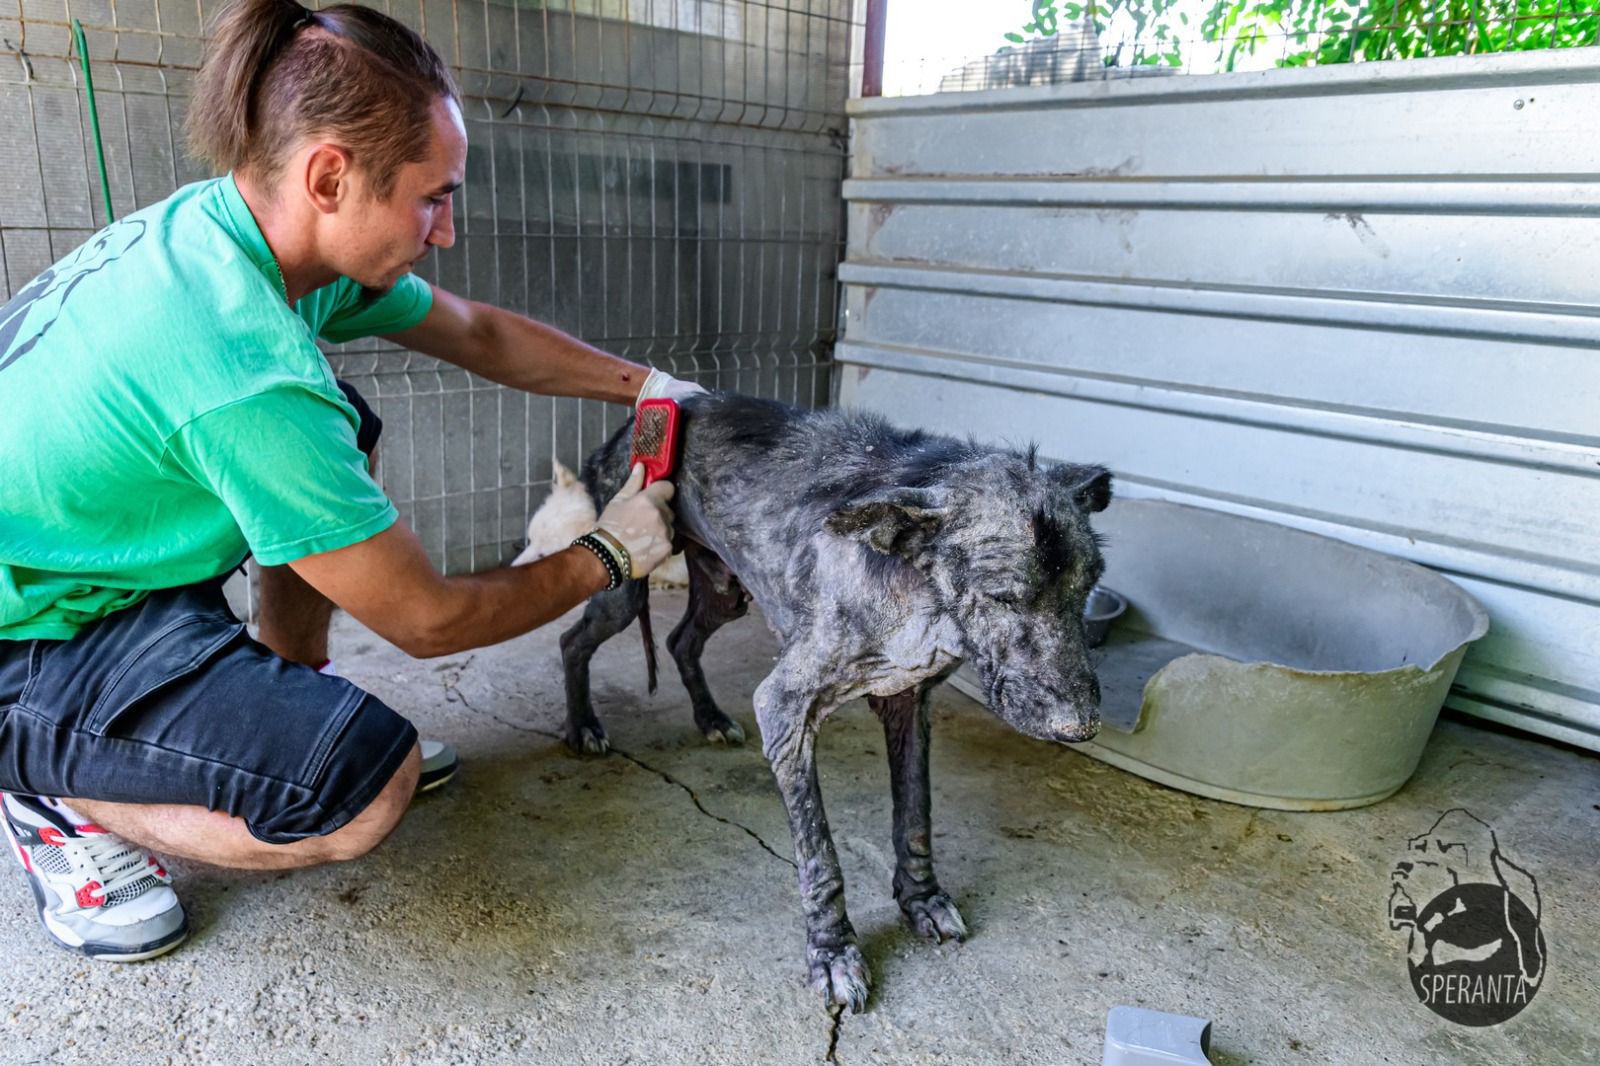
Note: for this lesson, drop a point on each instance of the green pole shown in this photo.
(94, 116)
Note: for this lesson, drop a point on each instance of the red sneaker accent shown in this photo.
(90, 827)
(161, 871)
(89, 895)
(51, 835)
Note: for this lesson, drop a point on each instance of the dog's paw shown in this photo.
(726, 731)
(590, 740)
(935, 917)
(840, 976)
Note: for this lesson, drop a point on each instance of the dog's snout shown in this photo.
(1078, 728)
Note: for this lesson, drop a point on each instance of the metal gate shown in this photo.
(659, 177)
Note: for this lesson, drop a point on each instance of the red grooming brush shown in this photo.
(655, 439)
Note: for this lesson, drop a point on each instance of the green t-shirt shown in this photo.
(164, 412)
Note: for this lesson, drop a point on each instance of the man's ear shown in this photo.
(901, 522)
(327, 177)
(1090, 486)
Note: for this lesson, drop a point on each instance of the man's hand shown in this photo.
(663, 386)
(641, 520)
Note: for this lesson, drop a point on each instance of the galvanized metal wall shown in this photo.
(1357, 300)
(659, 177)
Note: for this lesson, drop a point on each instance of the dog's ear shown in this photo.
(901, 522)
(1090, 485)
(561, 476)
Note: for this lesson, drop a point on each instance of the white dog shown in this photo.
(568, 512)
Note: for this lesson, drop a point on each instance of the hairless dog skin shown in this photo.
(881, 558)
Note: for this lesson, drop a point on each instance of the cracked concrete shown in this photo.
(628, 909)
(837, 1016)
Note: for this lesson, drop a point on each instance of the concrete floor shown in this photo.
(547, 908)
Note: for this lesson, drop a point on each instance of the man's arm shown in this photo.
(389, 585)
(514, 350)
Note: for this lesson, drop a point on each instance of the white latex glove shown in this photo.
(663, 386)
(642, 520)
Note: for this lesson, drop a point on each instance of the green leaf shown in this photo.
(1319, 32)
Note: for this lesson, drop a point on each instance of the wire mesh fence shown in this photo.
(1047, 42)
(659, 177)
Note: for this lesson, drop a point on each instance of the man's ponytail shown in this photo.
(275, 72)
(244, 42)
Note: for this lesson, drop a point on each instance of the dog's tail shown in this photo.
(648, 635)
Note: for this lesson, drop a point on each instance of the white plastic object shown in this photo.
(1139, 1037)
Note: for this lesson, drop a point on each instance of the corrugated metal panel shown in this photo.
(1358, 300)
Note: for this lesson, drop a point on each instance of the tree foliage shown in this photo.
(1316, 32)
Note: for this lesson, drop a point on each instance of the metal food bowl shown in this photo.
(1102, 610)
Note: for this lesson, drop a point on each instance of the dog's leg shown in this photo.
(715, 598)
(607, 614)
(786, 713)
(905, 726)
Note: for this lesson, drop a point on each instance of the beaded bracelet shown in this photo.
(619, 551)
(598, 546)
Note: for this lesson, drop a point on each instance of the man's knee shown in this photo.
(377, 820)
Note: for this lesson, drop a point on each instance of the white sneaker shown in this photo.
(439, 760)
(98, 895)
(439, 764)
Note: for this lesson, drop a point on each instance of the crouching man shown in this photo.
(167, 413)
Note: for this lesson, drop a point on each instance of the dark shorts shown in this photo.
(170, 701)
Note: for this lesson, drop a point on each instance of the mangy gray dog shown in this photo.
(881, 559)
